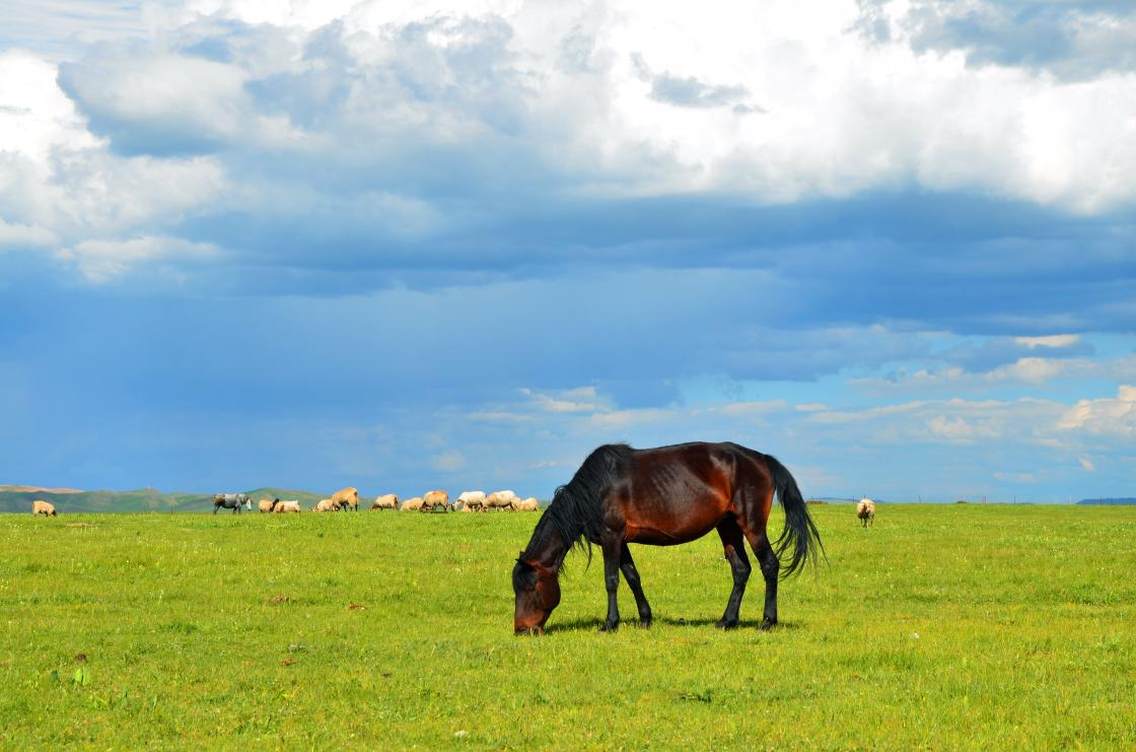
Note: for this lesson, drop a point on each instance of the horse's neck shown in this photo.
(547, 547)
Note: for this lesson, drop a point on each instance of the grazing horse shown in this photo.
(662, 497)
(231, 501)
(866, 512)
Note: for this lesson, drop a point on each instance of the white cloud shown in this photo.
(355, 89)
(1029, 370)
(1086, 464)
(1109, 416)
(63, 191)
(1051, 341)
(16, 235)
(579, 400)
(102, 260)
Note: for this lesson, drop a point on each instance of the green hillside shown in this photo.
(140, 500)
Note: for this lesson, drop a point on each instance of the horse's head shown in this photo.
(538, 592)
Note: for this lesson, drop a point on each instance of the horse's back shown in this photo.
(677, 493)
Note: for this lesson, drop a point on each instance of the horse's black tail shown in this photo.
(800, 535)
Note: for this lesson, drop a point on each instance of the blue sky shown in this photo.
(409, 245)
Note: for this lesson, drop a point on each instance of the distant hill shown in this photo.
(38, 489)
(19, 499)
(1110, 502)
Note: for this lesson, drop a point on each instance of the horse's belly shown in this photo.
(670, 536)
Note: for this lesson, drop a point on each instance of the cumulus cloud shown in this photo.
(1109, 416)
(319, 105)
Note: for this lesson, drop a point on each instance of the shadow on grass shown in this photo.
(593, 625)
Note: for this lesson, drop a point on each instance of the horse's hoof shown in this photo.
(767, 625)
(609, 627)
(723, 624)
(644, 623)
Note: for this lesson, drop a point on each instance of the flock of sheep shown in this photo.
(431, 501)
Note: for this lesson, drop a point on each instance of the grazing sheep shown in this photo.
(528, 505)
(434, 499)
(46, 508)
(326, 505)
(386, 501)
(412, 505)
(347, 498)
(281, 507)
(234, 501)
(471, 501)
(461, 506)
(866, 511)
(265, 505)
(501, 500)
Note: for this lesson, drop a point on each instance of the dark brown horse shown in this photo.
(663, 497)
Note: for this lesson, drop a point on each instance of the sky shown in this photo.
(406, 245)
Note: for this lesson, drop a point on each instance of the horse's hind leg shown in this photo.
(734, 548)
(770, 568)
(631, 574)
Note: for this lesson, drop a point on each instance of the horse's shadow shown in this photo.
(593, 624)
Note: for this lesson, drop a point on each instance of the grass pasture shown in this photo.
(943, 627)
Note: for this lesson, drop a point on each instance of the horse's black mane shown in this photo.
(576, 511)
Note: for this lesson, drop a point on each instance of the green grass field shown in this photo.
(943, 627)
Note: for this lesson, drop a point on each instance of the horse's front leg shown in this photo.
(631, 574)
(611, 546)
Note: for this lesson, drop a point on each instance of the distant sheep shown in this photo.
(265, 505)
(432, 500)
(326, 505)
(46, 508)
(502, 500)
(528, 505)
(386, 501)
(347, 498)
(283, 507)
(866, 512)
(412, 505)
(471, 501)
